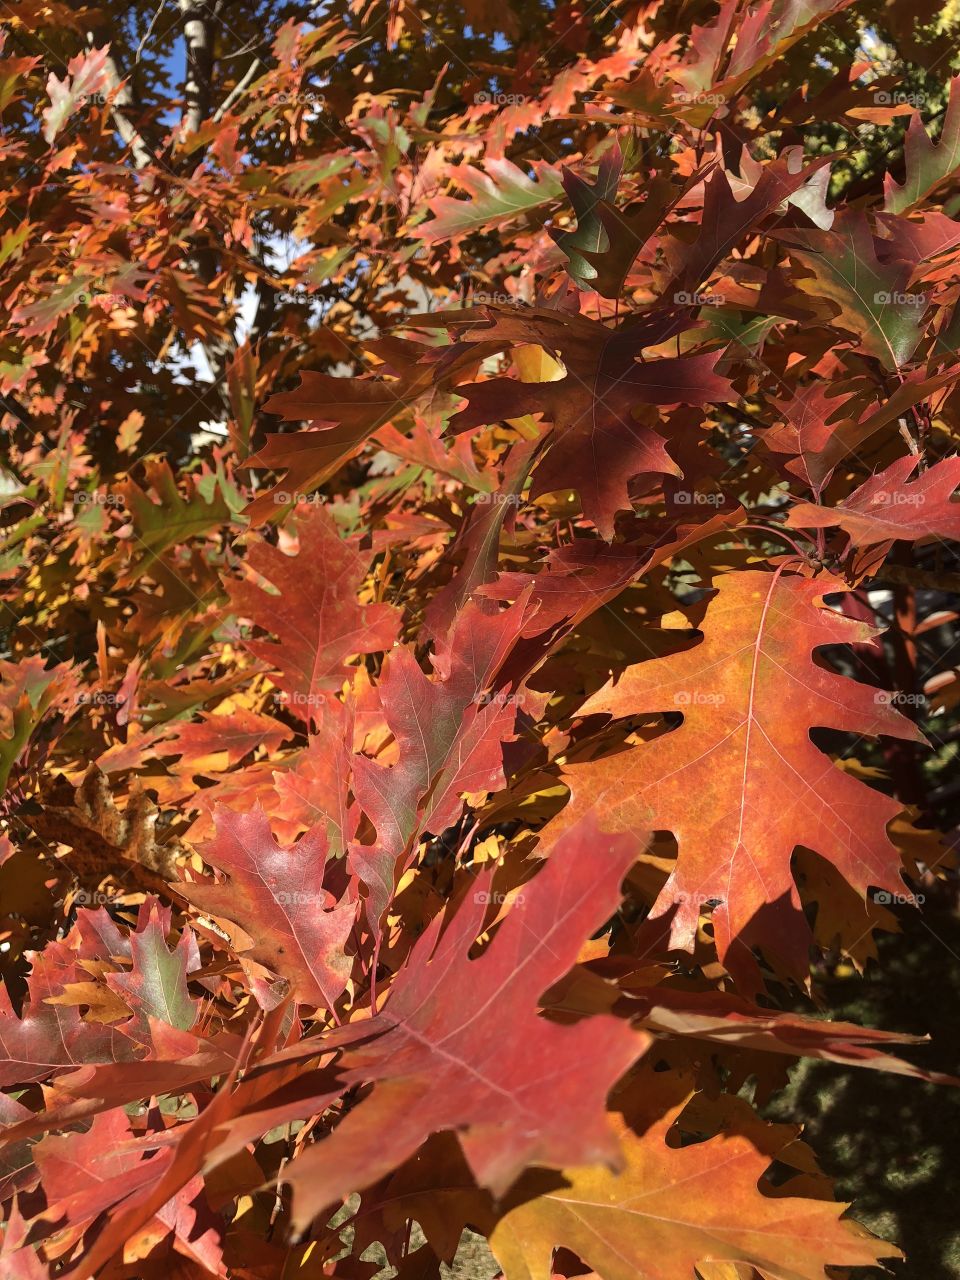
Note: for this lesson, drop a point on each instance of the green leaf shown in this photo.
(502, 193)
(156, 986)
(27, 692)
(927, 163)
(872, 296)
(591, 235)
(158, 526)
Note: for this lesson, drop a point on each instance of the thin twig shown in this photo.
(149, 32)
(238, 90)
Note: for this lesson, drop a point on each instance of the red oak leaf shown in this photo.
(728, 1021)
(823, 423)
(314, 612)
(450, 736)
(215, 743)
(438, 1059)
(597, 446)
(739, 783)
(277, 896)
(350, 411)
(50, 1038)
(890, 506)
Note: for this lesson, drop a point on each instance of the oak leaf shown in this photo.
(156, 986)
(675, 1206)
(597, 445)
(343, 413)
(278, 897)
(872, 294)
(450, 730)
(86, 76)
(49, 1038)
(927, 163)
(739, 783)
(498, 195)
(437, 1057)
(890, 505)
(312, 610)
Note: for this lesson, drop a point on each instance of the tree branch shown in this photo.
(199, 37)
(143, 154)
(238, 90)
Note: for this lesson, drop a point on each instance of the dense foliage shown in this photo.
(478, 652)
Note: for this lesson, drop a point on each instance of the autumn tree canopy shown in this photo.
(479, 558)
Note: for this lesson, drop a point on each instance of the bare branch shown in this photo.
(238, 90)
(149, 31)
